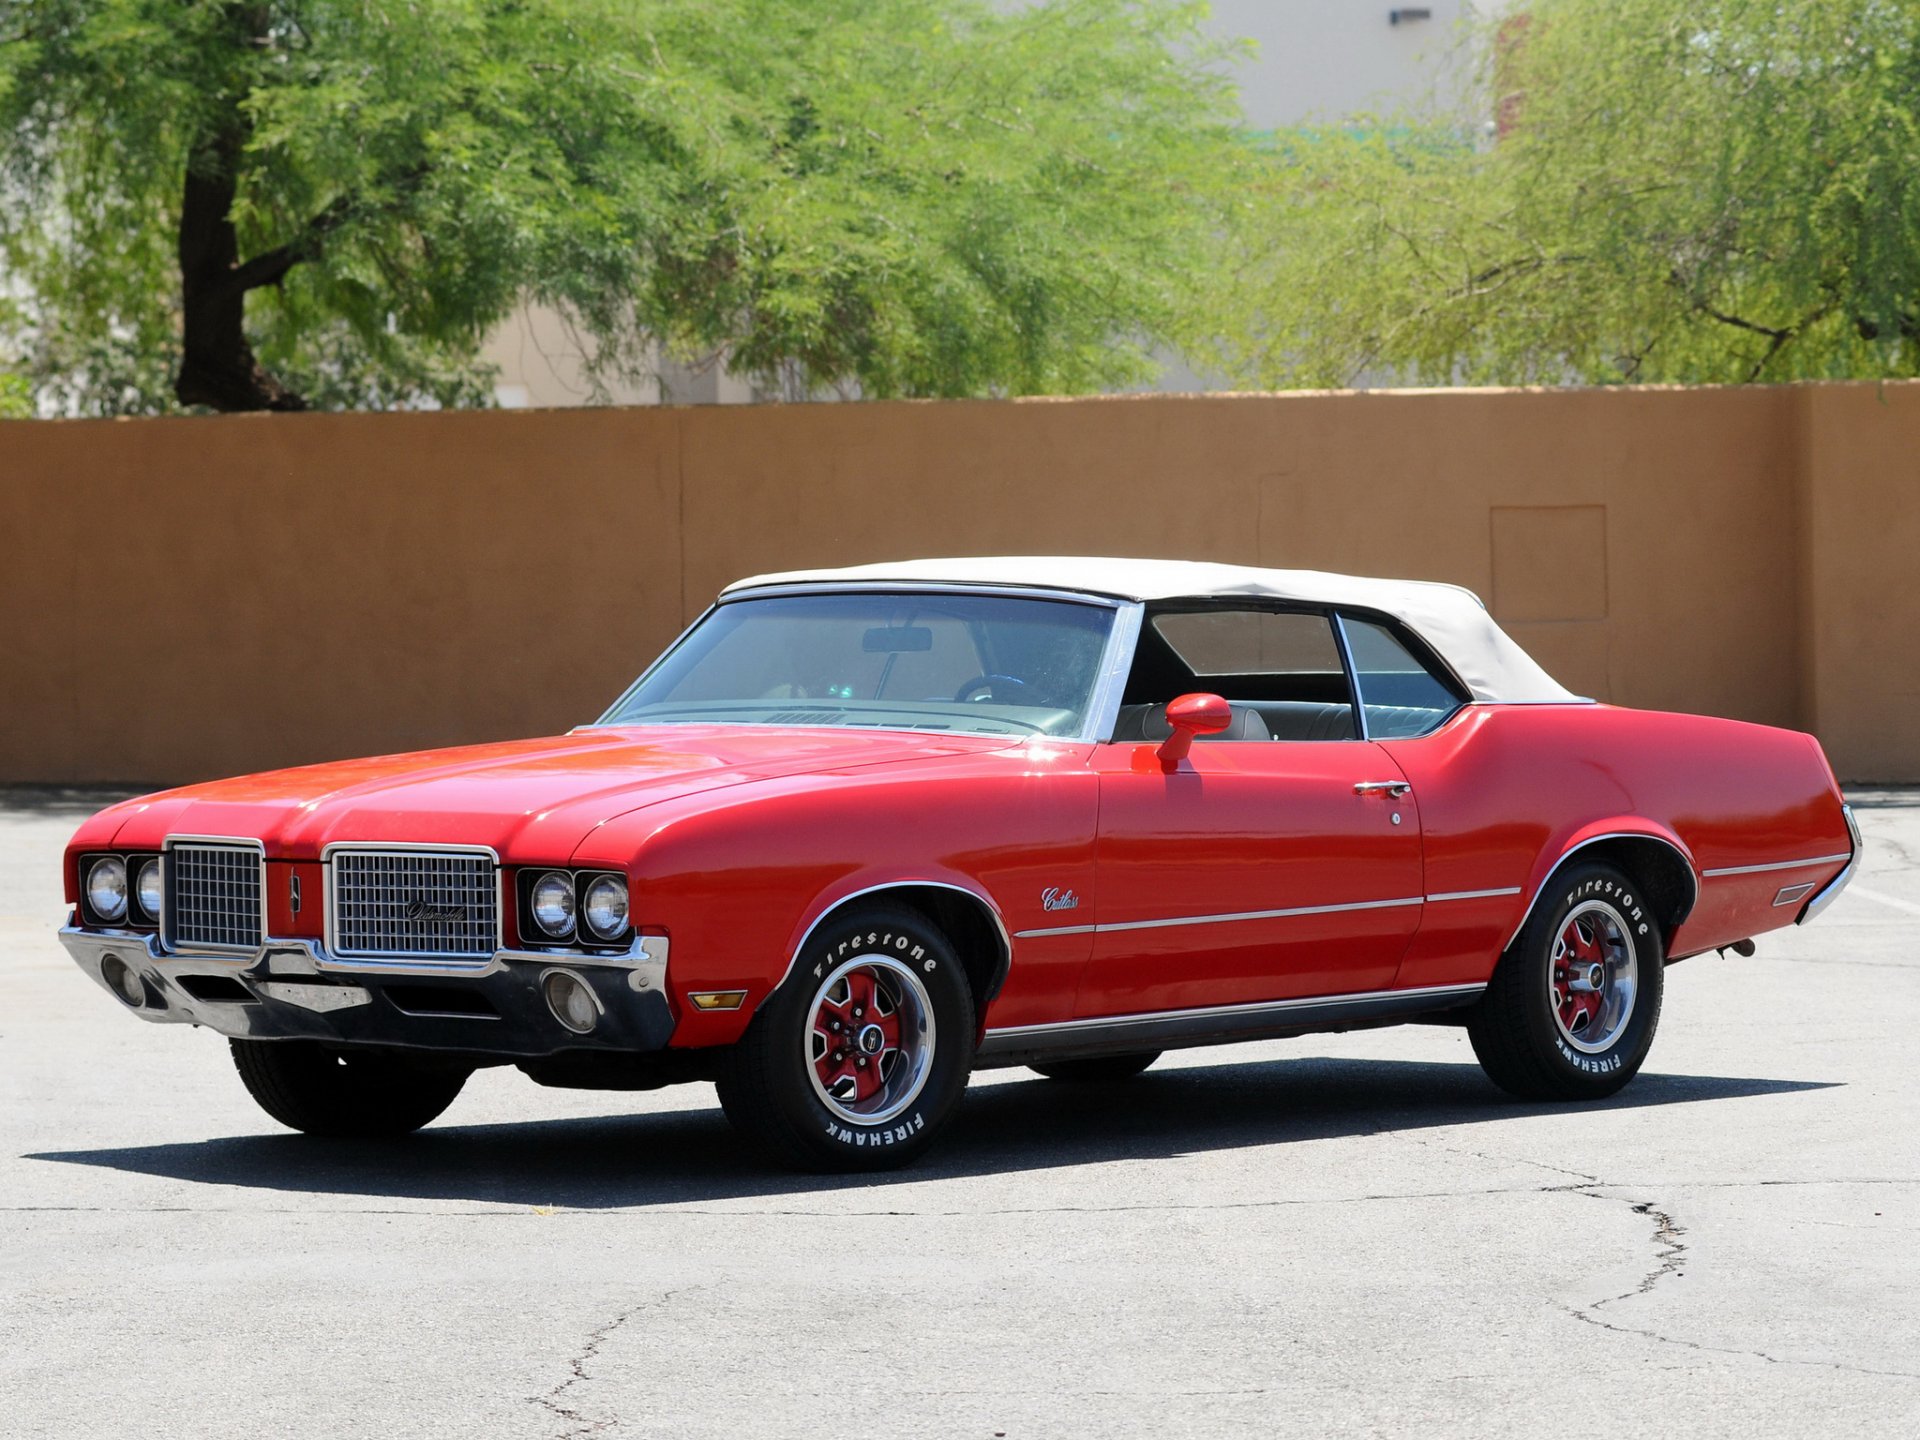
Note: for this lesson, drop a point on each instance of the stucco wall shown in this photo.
(183, 598)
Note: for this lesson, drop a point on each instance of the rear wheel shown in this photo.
(1099, 1069)
(357, 1094)
(861, 1055)
(1572, 1007)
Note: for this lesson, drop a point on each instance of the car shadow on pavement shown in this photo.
(692, 1156)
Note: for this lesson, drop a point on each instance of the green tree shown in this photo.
(1681, 190)
(270, 205)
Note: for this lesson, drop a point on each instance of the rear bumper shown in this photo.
(292, 990)
(1831, 890)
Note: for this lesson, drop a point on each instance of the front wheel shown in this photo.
(354, 1094)
(862, 1053)
(1571, 1009)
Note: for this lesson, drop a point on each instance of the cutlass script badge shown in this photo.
(1054, 898)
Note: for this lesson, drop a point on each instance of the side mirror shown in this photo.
(1192, 715)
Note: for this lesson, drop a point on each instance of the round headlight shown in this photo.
(146, 887)
(605, 906)
(107, 887)
(553, 903)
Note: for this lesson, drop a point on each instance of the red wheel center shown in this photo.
(1579, 974)
(857, 1032)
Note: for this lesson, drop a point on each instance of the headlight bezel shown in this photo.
(567, 889)
(138, 867)
(92, 867)
(580, 933)
(586, 882)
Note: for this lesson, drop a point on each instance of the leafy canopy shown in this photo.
(1683, 190)
(923, 197)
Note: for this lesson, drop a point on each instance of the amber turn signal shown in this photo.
(717, 999)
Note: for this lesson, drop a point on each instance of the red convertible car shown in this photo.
(861, 832)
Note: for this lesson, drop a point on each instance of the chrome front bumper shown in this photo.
(292, 989)
(1830, 892)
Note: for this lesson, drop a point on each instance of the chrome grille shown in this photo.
(414, 903)
(212, 897)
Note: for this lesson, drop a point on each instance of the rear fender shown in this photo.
(1652, 853)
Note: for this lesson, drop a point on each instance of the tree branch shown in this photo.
(270, 266)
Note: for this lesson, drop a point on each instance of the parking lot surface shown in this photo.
(1334, 1235)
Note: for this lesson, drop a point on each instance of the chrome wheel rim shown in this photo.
(1594, 977)
(869, 1040)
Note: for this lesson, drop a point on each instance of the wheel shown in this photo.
(860, 1056)
(1101, 1068)
(1571, 1009)
(349, 1093)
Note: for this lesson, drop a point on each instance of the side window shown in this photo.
(1399, 696)
(1280, 670)
(1250, 642)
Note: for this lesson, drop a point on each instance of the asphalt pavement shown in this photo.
(1329, 1236)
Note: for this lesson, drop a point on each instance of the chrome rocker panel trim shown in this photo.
(1830, 892)
(295, 990)
(1216, 1024)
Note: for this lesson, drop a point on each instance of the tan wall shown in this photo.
(184, 598)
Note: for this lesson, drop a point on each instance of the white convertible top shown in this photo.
(1450, 619)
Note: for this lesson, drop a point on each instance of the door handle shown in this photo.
(1395, 788)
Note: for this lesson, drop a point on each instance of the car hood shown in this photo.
(532, 800)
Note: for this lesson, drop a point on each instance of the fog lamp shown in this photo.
(119, 975)
(571, 1000)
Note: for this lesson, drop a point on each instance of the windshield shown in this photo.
(975, 664)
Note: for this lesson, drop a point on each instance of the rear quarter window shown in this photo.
(1400, 695)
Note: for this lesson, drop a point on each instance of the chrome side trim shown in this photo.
(1569, 853)
(1473, 894)
(1777, 865)
(1219, 919)
(1000, 924)
(1831, 890)
(1251, 1009)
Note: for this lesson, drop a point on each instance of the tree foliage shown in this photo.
(1682, 190)
(266, 205)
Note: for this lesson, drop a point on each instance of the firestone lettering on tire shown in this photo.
(881, 941)
(1616, 892)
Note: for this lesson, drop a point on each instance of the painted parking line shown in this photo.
(1893, 900)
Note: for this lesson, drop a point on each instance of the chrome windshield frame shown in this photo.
(1103, 705)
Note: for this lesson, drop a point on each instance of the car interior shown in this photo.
(1282, 674)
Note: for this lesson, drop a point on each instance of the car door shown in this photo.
(1278, 860)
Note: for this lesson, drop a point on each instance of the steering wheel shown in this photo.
(984, 687)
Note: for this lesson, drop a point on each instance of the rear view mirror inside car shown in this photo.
(892, 639)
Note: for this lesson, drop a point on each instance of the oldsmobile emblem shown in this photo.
(421, 913)
(1054, 898)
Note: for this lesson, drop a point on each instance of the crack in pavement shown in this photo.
(1668, 1253)
(553, 1400)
